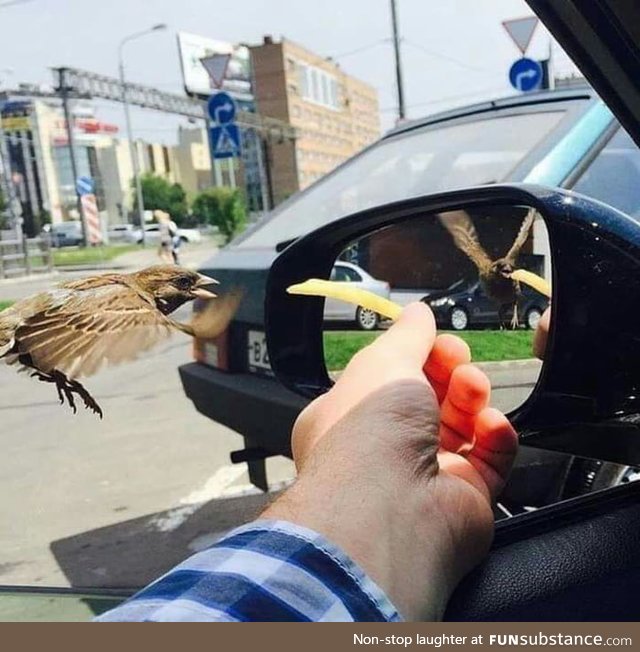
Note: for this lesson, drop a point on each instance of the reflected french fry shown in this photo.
(339, 290)
(533, 280)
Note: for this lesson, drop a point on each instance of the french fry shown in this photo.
(533, 280)
(320, 288)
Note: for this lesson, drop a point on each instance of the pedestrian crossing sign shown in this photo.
(225, 141)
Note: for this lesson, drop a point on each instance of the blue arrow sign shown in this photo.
(225, 141)
(221, 108)
(85, 185)
(525, 75)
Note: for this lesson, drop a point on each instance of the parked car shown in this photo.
(563, 138)
(465, 306)
(335, 310)
(123, 233)
(152, 235)
(66, 234)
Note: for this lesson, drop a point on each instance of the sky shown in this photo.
(453, 52)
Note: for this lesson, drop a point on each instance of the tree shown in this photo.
(221, 207)
(159, 194)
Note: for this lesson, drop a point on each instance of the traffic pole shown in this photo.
(63, 89)
(396, 49)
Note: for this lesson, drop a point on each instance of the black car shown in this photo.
(466, 305)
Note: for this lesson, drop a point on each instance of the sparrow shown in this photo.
(73, 330)
(494, 275)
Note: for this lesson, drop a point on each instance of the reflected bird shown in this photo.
(73, 330)
(495, 275)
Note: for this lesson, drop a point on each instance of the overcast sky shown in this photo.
(453, 52)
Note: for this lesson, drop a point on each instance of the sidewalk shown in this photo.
(15, 289)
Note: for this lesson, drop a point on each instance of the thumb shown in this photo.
(411, 338)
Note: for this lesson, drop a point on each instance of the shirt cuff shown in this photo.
(367, 586)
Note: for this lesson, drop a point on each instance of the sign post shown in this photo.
(525, 75)
(85, 187)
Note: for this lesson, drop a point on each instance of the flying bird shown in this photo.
(73, 330)
(495, 275)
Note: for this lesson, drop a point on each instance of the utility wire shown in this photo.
(363, 48)
(446, 57)
(10, 3)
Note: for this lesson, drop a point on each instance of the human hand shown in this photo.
(399, 462)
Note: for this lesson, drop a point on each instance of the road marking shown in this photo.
(213, 488)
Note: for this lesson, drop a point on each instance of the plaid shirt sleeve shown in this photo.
(263, 571)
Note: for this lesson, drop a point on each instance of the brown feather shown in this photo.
(465, 237)
(522, 236)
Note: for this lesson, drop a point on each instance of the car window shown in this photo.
(614, 175)
(352, 275)
(340, 274)
(408, 165)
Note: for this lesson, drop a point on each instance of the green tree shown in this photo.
(159, 194)
(221, 207)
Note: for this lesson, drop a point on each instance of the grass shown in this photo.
(4, 304)
(91, 255)
(485, 345)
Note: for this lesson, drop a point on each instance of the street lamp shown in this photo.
(132, 149)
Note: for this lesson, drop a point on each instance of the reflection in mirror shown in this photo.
(460, 264)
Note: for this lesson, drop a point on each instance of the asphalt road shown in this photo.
(116, 502)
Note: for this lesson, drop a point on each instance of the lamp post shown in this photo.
(132, 149)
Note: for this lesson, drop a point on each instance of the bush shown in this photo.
(159, 194)
(223, 208)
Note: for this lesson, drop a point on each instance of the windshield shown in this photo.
(412, 164)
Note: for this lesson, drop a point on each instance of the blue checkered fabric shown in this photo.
(264, 571)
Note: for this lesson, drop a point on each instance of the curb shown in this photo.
(529, 363)
(28, 279)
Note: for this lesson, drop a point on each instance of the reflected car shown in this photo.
(335, 310)
(467, 306)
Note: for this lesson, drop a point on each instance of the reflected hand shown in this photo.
(400, 461)
(541, 334)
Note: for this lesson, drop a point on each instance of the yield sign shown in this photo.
(521, 30)
(216, 67)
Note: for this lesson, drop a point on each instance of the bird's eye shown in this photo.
(183, 283)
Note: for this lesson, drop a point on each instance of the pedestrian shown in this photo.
(398, 465)
(165, 245)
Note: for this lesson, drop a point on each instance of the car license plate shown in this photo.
(258, 358)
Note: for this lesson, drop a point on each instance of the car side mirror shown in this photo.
(587, 397)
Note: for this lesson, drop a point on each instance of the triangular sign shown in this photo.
(225, 143)
(521, 30)
(216, 67)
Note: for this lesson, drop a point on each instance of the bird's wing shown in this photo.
(522, 236)
(465, 236)
(79, 332)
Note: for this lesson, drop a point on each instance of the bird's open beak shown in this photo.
(199, 290)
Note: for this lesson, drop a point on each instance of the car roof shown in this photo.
(583, 92)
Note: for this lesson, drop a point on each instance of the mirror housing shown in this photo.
(587, 399)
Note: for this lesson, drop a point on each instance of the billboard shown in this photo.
(192, 48)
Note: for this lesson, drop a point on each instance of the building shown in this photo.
(36, 144)
(334, 114)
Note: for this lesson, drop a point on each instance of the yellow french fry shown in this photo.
(535, 281)
(339, 290)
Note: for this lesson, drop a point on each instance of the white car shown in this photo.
(335, 310)
(152, 234)
(122, 233)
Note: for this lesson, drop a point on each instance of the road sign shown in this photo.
(85, 185)
(221, 108)
(525, 75)
(225, 141)
(216, 66)
(521, 30)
